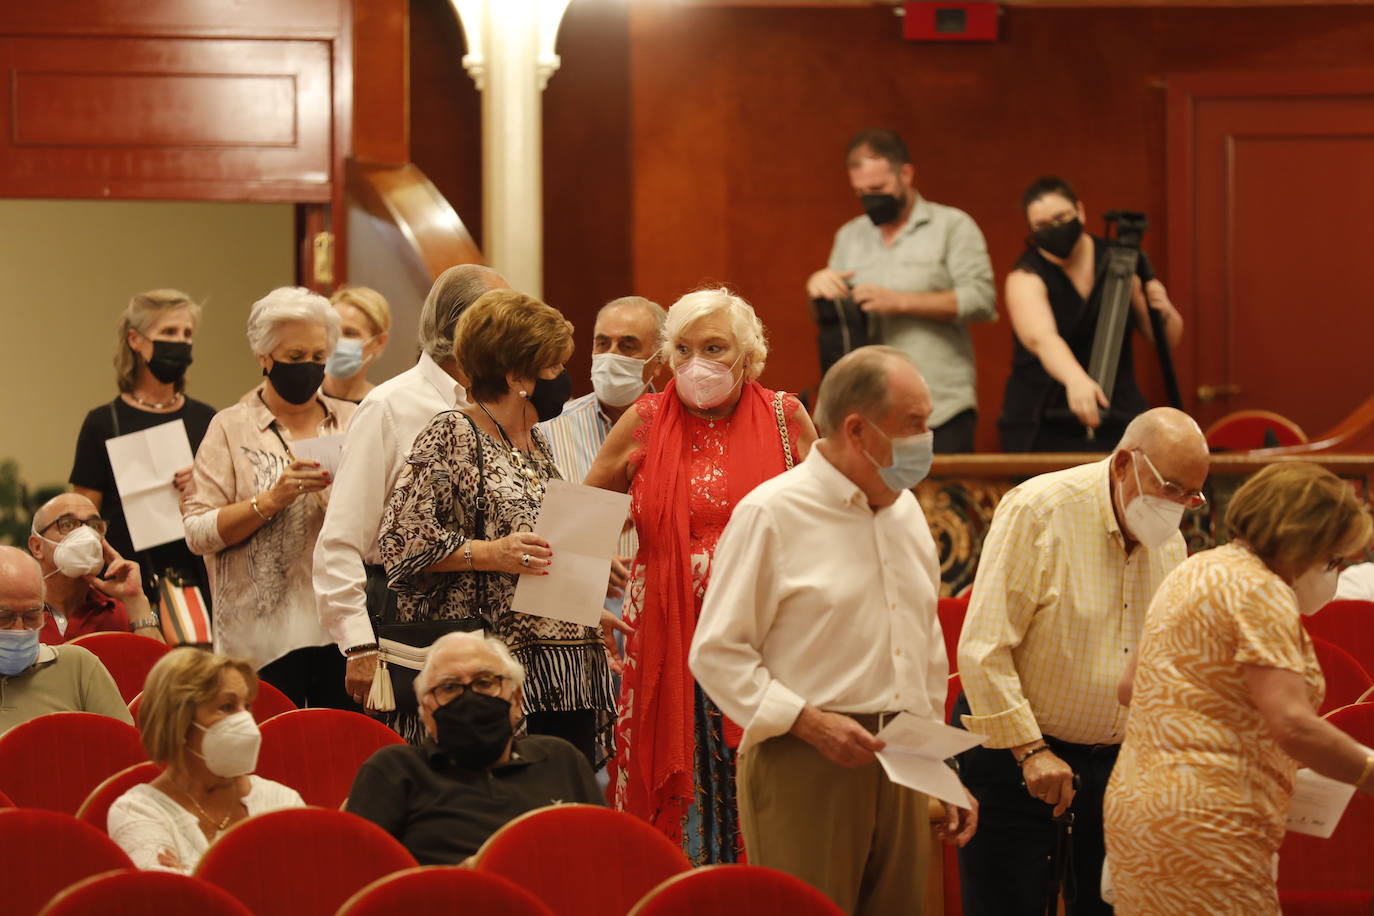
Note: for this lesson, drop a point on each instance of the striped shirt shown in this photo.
(575, 436)
(1057, 609)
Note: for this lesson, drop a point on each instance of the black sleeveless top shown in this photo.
(1031, 391)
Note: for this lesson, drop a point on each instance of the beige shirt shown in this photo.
(816, 598)
(1057, 611)
(62, 679)
(264, 602)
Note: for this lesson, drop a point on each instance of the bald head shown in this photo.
(1174, 444)
(67, 504)
(21, 580)
(859, 383)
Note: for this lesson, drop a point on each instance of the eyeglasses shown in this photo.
(66, 524)
(32, 619)
(1175, 492)
(488, 685)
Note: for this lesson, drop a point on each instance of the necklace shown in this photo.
(534, 486)
(218, 825)
(176, 396)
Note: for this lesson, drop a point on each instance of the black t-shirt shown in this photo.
(1031, 390)
(91, 469)
(443, 813)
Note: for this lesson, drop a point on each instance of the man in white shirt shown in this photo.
(379, 437)
(818, 625)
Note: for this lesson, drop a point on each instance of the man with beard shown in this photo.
(921, 273)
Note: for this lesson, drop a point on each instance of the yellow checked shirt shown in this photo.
(1057, 610)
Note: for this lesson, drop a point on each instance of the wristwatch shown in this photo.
(149, 621)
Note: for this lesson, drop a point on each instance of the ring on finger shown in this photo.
(525, 559)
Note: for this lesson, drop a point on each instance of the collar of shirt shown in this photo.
(522, 754)
(845, 491)
(1104, 502)
(264, 419)
(448, 388)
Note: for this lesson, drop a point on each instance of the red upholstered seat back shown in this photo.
(317, 752)
(1346, 679)
(1348, 624)
(1245, 429)
(48, 852)
(582, 860)
(141, 893)
(126, 656)
(435, 889)
(301, 861)
(952, 611)
(97, 805)
(1345, 862)
(735, 889)
(54, 761)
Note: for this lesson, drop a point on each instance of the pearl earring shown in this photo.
(524, 394)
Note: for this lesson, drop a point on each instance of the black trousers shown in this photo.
(955, 435)
(313, 676)
(1006, 868)
(578, 728)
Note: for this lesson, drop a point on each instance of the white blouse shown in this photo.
(145, 821)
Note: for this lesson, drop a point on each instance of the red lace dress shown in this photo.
(710, 830)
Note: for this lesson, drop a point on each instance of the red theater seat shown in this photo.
(1348, 624)
(97, 805)
(317, 752)
(140, 893)
(433, 890)
(54, 761)
(735, 889)
(582, 860)
(952, 611)
(47, 852)
(126, 656)
(301, 861)
(1246, 429)
(1346, 679)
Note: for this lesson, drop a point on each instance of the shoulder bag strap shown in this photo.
(480, 515)
(782, 428)
(114, 418)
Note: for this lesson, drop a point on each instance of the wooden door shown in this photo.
(1271, 223)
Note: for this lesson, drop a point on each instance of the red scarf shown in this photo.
(660, 775)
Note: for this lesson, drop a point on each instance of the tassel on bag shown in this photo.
(382, 696)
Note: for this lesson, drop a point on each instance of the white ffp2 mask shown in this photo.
(230, 747)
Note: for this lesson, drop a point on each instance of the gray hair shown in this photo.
(139, 315)
(514, 670)
(744, 323)
(656, 312)
(857, 383)
(289, 303)
(453, 291)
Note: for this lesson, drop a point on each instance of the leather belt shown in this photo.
(872, 721)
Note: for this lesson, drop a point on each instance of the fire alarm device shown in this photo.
(936, 20)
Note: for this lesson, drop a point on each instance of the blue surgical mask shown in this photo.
(911, 458)
(18, 651)
(346, 359)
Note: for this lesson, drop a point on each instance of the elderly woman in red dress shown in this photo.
(686, 456)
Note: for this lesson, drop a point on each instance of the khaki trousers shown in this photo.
(849, 832)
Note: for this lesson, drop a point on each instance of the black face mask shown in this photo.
(549, 395)
(296, 382)
(170, 360)
(1058, 240)
(473, 730)
(881, 208)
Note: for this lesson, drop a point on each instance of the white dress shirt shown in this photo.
(817, 598)
(379, 438)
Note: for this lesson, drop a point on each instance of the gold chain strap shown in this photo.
(782, 429)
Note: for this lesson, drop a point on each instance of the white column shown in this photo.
(510, 57)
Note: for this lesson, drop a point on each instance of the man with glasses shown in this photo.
(1069, 567)
(472, 775)
(36, 679)
(90, 587)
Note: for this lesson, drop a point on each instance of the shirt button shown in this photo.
(898, 653)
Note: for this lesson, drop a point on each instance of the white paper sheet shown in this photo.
(144, 464)
(916, 752)
(327, 450)
(1317, 803)
(582, 525)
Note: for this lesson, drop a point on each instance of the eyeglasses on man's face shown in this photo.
(31, 619)
(450, 689)
(1175, 492)
(66, 524)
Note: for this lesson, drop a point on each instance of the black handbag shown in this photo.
(403, 646)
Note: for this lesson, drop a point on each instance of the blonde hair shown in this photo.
(508, 331)
(179, 682)
(744, 324)
(139, 315)
(1295, 514)
(289, 303)
(368, 301)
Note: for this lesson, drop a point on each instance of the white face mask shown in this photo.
(78, 554)
(1315, 589)
(230, 747)
(617, 380)
(1152, 520)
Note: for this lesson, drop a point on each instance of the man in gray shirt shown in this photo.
(920, 270)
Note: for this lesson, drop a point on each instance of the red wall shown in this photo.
(687, 145)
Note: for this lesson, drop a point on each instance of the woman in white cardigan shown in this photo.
(195, 720)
